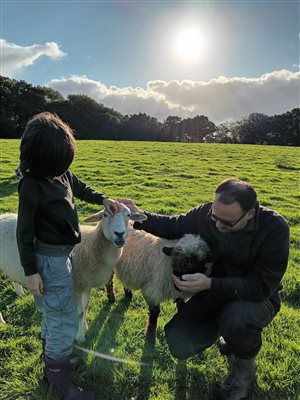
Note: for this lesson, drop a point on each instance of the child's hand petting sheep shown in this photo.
(111, 206)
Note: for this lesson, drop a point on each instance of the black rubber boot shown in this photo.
(75, 361)
(240, 377)
(58, 373)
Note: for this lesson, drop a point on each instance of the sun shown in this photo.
(190, 45)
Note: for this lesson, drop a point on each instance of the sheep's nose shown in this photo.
(119, 235)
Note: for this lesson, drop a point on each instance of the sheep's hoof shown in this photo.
(111, 298)
(128, 293)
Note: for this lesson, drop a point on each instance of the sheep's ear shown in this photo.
(95, 217)
(167, 251)
(138, 216)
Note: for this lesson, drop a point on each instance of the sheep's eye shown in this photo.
(128, 215)
(105, 215)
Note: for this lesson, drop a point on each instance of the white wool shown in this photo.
(144, 266)
(95, 257)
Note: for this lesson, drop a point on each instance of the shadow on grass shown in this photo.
(9, 186)
(257, 393)
(146, 372)
(287, 167)
(181, 381)
(97, 323)
(103, 330)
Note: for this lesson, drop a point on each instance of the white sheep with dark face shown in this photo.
(148, 262)
(190, 255)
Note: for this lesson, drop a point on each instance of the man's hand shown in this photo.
(111, 206)
(192, 283)
(35, 284)
(131, 205)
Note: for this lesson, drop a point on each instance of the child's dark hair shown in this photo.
(231, 190)
(47, 146)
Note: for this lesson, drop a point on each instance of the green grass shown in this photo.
(167, 178)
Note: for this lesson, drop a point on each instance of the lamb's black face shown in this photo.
(187, 265)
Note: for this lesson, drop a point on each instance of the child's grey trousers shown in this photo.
(58, 305)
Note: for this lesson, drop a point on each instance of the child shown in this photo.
(47, 231)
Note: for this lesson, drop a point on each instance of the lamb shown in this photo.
(9, 255)
(145, 264)
(95, 257)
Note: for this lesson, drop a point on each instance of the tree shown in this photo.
(285, 130)
(19, 102)
(253, 130)
(172, 128)
(224, 133)
(195, 129)
(89, 119)
(140, 127)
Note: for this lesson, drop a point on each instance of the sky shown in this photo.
(223, 59)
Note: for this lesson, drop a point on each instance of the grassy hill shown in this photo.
(167, 178)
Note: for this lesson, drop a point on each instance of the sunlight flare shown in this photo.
(190, 44)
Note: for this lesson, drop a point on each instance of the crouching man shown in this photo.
(250, 246)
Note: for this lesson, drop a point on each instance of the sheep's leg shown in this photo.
(18, 289)
(85, 302)
(128, 293)
(1, 319)
(82, 303)
(179, 303)
(110, 290)
(150, 333)
(154, 311)
(80, 333)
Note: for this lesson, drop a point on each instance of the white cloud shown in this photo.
(220, 99)
(14, 57)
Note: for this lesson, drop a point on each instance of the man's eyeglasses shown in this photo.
(230, 224)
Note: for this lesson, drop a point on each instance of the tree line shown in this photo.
(91, 120)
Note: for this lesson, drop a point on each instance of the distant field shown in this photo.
(167, 178)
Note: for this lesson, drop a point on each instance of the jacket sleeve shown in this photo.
(268, 268)
(84, 192)
(172, 227)
(28, 200)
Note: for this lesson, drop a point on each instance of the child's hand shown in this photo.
(111, 206)
(35, 284)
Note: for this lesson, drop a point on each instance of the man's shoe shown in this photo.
(240, 377)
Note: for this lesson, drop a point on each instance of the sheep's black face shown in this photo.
(182, 264)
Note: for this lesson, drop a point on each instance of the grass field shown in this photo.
(167, 178)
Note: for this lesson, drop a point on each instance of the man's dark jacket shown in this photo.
(248, 264)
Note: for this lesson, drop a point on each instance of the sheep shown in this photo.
(94, 260)
(9, 259)
(145, 264)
